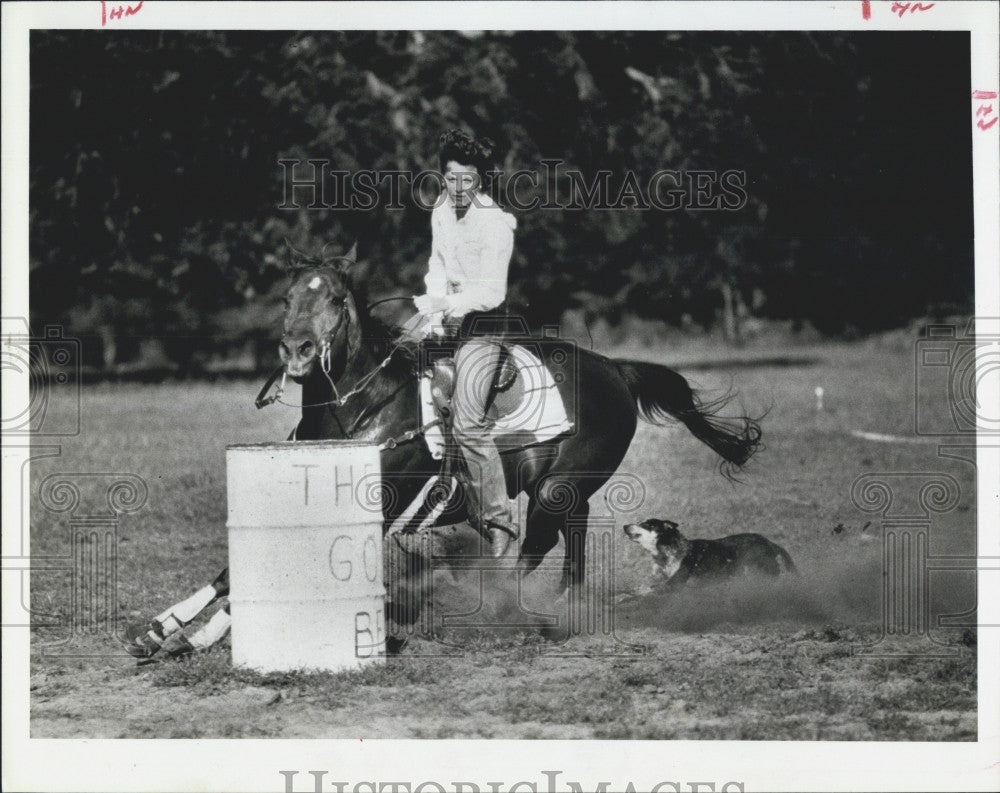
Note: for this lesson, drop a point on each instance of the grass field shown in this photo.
(800, 658)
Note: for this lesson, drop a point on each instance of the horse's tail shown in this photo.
(660, 392)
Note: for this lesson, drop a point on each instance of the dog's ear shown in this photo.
(668, 532)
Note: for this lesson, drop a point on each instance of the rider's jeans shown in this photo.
(475, 366)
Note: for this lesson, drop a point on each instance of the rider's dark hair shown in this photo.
(464, 149)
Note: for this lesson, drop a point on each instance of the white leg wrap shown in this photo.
(439, 507)
(212, 631)
(179, 615)
(411, 510)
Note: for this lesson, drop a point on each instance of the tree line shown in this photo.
(160, 175)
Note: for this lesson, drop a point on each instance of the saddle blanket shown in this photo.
(530, 410)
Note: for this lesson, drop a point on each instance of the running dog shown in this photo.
(679, 559)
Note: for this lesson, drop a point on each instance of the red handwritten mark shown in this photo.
(866, 9)
(118, 12)
(901, 8)
(985, 110)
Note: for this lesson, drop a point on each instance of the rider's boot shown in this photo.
(483, 476)
(486, 492)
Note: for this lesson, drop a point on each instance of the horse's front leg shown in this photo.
(145, 639)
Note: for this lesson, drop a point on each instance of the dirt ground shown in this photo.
(804, 657)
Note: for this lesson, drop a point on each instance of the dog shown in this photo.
(679, 559)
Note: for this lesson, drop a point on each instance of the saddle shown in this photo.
(523, 403)
(442, 376)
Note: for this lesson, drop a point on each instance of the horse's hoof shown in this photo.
(142, 640)
(180, 647)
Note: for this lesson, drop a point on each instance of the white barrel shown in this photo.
(305, 555)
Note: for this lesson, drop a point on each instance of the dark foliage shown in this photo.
(156, 187)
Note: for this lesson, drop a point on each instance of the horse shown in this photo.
(358, 384)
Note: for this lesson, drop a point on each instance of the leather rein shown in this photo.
(263, 400)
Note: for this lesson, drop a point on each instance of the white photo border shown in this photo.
(254, 765)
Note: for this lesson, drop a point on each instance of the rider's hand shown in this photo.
(428, 304)
(416, 328)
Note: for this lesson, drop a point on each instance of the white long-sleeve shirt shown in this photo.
(470, 257)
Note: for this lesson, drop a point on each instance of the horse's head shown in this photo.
(321, 319)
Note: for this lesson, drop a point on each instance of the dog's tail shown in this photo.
(660, 392)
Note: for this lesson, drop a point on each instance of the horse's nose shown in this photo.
(297, 354)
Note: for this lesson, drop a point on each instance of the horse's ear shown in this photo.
(355, 271)
(296, 258)
(348, 263)
(342, 263)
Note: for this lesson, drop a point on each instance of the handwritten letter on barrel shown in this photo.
(305, 555)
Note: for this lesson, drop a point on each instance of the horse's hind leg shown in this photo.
(574, 531)
(541, 533)
(558, 506)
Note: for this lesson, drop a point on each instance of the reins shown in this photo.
(338, 401)
(263, 400)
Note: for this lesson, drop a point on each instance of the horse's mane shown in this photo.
(379, 336)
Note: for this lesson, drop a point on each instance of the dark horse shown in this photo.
(323, 318)
(352, 388)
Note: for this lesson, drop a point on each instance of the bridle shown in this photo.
(340, 400)
(325, 356)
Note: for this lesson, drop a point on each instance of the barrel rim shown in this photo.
(289, 445)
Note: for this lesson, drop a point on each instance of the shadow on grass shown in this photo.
(783, 361)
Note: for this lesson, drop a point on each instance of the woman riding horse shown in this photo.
(352, 389)
(471, 246)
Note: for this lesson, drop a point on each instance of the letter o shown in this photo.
(372, 573)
